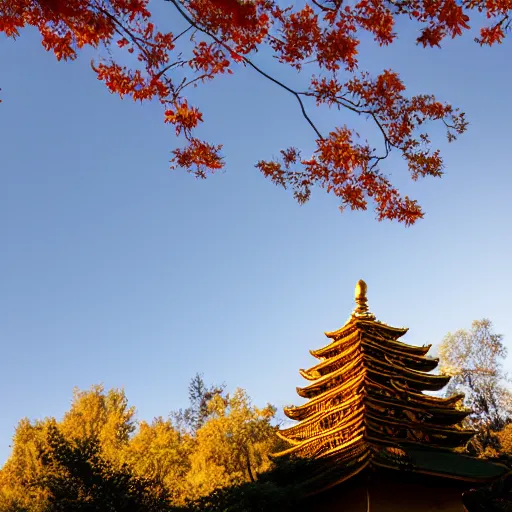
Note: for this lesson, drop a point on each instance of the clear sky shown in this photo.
(116, 270)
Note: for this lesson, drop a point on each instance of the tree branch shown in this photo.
(247, 61)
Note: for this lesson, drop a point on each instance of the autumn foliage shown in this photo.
(224, 34)
(99, 457)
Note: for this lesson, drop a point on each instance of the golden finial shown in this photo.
(362, 309)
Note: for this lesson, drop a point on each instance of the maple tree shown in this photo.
(222, 34)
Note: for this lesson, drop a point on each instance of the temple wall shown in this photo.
(389, 496)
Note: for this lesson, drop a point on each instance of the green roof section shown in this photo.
(450, 464)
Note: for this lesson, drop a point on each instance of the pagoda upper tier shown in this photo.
(366, 399)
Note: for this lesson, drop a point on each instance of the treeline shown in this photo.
(206, 457)
(215, 454)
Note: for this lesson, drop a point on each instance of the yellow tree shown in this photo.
(95, 415)
(232, 446)
(102, 416)
(23, 467)
(161, 452)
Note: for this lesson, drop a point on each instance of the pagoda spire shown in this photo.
(366, 400)
(362, 310)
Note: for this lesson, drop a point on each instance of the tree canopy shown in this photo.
(474, 360)
(318, 38)
(98, 457)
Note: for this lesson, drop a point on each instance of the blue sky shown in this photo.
(116, 270)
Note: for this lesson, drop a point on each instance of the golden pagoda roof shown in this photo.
(366, 393)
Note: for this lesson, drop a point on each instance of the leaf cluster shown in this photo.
(318, 38)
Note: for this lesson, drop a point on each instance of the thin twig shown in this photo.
(170, 66)
(182, 33)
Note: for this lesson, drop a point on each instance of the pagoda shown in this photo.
(368, 407)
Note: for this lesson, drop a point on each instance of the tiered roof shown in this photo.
(366, 402)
